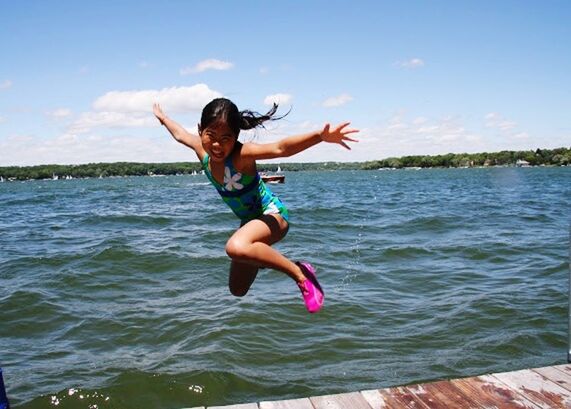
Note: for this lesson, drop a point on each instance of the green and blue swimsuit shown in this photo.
(247, 195)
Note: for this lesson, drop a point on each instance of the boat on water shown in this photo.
(273, 177)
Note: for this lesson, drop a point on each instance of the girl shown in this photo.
(231, 168)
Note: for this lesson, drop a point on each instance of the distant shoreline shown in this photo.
(539, 157)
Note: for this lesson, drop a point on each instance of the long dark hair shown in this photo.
(222, 109)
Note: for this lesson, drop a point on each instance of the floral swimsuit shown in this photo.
(247, 196)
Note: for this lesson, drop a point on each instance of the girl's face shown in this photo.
(218, 141)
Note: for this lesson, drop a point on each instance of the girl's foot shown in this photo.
(310, 288)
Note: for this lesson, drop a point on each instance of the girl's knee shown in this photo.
(236, 248)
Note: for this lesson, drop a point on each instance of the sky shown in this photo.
(78, 79)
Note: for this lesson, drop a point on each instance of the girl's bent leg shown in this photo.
(251, 244)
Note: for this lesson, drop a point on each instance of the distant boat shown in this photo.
(271, 177)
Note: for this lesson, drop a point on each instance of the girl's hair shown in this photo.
(222, 109)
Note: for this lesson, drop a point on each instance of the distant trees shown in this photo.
(95, 170)
(549, 157)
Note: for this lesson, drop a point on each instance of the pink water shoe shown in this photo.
(310, 289)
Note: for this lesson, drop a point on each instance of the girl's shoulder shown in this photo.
(242, 163)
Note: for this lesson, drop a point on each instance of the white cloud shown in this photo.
(211, 64)
(59, 113)
(90, 120)
(399, 136)
(129, 109)
(521, 135)
(25, 150)
(337, 101)
(2, 119)
(412, 63)
(179, 99)
(497, 121)
(507, 133)
(144, 64)
(278, 99)
(264, 70)
(5, 84)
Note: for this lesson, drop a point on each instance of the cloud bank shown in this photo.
(132, 109)
(180, 99)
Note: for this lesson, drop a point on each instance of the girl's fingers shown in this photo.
(341, 126)
(350, 139)
(345, 145)
(351, 131)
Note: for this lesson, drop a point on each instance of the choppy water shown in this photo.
(113, 292)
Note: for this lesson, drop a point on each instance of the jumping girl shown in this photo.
(231, 168)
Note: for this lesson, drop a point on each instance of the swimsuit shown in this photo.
(247, 195)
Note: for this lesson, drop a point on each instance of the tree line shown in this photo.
(547, 157)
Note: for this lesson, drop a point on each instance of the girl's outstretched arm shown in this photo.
(294, 144)
(178, 132)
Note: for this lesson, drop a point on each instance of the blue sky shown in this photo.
(77, 79)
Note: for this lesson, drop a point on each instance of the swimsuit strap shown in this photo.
(209, 174)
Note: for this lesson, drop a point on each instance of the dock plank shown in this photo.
(374, 399)
(304, 403)
(536, 388)
(239, 406)
(492, 393)
(391, 399)
(401, 397)
(564, 368)
(353, 400)
(442, 394)
(561, 378)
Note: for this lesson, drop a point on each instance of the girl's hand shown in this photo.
(159, 113)
(338, 134)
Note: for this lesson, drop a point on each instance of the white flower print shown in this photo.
(231, 182)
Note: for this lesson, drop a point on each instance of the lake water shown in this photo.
(113, 292)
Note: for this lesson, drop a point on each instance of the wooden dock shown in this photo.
(548, 387)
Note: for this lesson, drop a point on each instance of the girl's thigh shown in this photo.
(268, 229)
